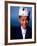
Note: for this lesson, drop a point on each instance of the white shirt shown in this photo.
(23, 32)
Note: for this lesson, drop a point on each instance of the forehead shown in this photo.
(23, 17)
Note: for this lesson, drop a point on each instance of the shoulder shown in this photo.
(29, 32)
(29, 29)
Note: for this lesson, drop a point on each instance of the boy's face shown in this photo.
(24, 21)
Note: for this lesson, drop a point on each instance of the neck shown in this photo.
(23, 28)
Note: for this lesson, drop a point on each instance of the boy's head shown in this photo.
(23, 17)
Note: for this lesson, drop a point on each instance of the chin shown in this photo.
(24, 27)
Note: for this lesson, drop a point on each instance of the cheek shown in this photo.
(27, 22)
(21, 22)
(24, 22)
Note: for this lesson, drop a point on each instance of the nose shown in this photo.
(24, 21)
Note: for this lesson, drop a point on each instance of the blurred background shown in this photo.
(14, 10)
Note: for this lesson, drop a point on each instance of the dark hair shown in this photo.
(27, 17)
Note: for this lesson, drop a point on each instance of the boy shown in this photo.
(23, 31)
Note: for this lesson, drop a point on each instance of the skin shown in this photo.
(24, 21)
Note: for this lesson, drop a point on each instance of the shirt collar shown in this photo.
(23, 30)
